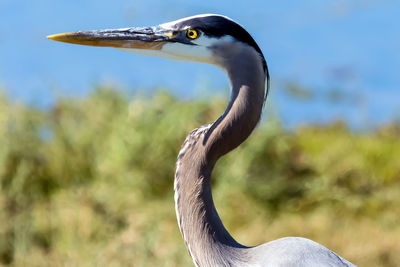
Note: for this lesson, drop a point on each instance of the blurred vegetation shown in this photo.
(90, 183)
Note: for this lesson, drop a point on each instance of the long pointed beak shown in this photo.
(140, 38)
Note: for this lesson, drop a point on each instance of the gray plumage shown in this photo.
(217, 40)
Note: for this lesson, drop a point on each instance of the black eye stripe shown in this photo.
(218, 26)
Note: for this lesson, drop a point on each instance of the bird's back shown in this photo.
(295, 252)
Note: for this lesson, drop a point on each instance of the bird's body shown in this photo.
(209, 243)
(297, 251)
(217, 40)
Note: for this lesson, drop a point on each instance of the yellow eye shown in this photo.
(192, 34)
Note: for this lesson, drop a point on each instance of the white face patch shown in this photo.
(187, 52)
(200, 51)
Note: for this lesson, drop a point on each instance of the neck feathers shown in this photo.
(208, 242)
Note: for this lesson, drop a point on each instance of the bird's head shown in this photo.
(203, 38)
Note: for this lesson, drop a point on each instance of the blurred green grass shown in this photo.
(90, 183)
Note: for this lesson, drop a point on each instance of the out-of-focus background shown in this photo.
(89, 136)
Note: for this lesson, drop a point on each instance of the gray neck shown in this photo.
(208, 242)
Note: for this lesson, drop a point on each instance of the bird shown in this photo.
(217, 40)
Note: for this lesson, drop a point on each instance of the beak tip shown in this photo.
(55, 37)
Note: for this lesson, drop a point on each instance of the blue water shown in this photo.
(351, 46)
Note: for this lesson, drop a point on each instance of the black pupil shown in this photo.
(191, 33)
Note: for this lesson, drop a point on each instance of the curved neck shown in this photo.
(208, 242)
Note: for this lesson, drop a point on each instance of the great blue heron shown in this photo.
(217, 40)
